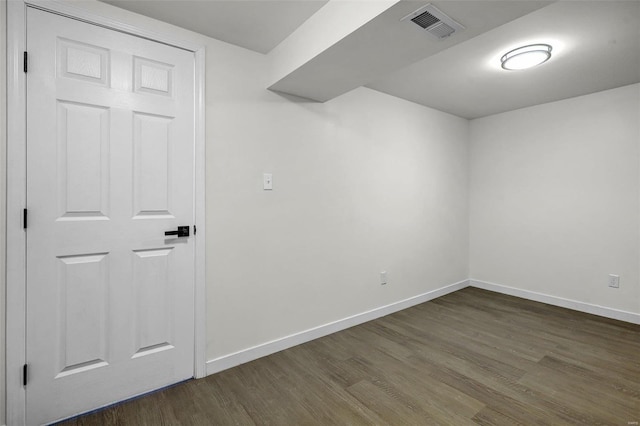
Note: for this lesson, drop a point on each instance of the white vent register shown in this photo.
(434, 22)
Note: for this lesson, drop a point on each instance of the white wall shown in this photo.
(554, 198)
(3, 132)
(362, 184)
(368, 182)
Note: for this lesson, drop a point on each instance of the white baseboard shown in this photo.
(227, 361)
(559, 301)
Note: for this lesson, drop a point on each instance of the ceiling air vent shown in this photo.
(434, 21)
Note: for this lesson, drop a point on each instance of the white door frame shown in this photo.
(17, 194)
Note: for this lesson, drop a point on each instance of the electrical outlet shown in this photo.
(614, 281)
(383, 277)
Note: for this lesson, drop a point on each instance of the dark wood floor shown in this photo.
(471, 357)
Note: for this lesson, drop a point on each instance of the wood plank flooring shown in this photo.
(471, 357)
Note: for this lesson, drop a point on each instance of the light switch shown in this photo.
(268, 181)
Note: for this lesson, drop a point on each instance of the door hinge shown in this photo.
(25, 59)
(24, 218)
(194, 230)
(24, 375)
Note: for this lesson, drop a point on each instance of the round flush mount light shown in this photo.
(526, 57)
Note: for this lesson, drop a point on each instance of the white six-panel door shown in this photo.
(110, 168)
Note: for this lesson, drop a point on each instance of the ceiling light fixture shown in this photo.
(526, 57)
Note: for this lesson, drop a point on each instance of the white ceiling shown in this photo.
(259, 25)
(386, 44)
(596, 46)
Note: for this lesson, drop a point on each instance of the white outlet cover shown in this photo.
(614, 281)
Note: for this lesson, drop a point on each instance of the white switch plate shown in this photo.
(267, 181)
(383, 277)
(614, 281)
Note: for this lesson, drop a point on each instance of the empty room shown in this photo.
(319, 212)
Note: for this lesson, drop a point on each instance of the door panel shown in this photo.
(153, 163)
(82, 329)
(82, 61)
(152, 325)
(152, 77)
(83, 161)
(110, 168)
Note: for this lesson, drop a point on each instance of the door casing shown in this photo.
(17, 179)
